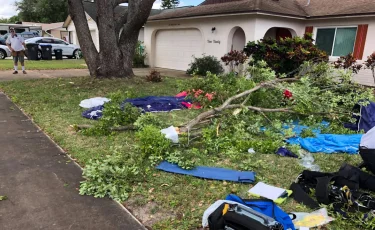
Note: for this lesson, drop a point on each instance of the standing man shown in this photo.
(16, 44)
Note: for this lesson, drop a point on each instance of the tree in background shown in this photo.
(12, 19)
(45, 11)
(169, 4)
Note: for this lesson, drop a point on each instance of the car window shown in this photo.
(45, 40)
(59, 42)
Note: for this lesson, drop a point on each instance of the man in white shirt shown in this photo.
(16, 44)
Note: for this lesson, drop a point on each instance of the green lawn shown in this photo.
(7, 64)
(173, 201)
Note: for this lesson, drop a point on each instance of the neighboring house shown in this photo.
(218, 26)
(91, 15)
(50, 29)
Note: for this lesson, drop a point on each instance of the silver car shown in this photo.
(68, 50)
(4, 52)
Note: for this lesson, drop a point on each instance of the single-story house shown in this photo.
(218, 26)
(50, 29)
(91, 15)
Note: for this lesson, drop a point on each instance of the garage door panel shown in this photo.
(175, 48)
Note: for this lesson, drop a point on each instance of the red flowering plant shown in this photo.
(348, 62)
(370, 64)
(234, 59)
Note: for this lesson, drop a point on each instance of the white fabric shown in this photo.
(171, 134)
(368, 140)
(16, 42)
(93, 102)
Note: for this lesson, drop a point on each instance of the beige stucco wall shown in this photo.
(225, 28)
(370, 43)
(254, 26)
(93, 30)
(266, 22)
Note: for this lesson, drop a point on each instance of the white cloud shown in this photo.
(7, 9)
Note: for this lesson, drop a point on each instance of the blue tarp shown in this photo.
(210, 173)
(365, 119)
(326, 143)
(157, 104)
(268, 208)
(147, 104)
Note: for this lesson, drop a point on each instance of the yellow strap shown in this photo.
(225, 209)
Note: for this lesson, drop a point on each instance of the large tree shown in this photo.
(45, 11)
(169, 4)
(118, 35)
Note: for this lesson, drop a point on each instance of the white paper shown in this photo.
(267, 191)
(304, 228)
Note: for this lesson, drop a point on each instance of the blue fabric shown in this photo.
(366, 120)
(147, 104)
(284, 152)
(210, 173)
(268, 208)
(94, 113)
(157, 104)
(326, 143)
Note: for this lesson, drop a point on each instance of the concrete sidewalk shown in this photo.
(37, 74)
(41, 183)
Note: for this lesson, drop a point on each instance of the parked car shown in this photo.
(4, 52)
(25, 35)
(68, 50)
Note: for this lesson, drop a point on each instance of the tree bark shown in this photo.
(90, 54)
(118, 35)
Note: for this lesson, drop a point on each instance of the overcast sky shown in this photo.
(8, 9)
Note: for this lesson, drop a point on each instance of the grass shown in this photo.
(7, 64)
(175, 201)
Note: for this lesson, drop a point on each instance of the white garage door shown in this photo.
(174, 48)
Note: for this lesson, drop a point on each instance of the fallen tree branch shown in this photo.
(119, 128)
(227, 104)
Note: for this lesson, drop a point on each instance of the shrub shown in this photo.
(201, 66)
(154, 76)
(370, 64)
(152, 142)
(111, 176)
(139, 56)
(285, 55)
(348, 62)
(234, 59)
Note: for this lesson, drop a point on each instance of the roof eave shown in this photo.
(261, 12)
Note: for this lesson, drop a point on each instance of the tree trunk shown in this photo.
(117, 46)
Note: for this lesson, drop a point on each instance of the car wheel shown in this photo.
(3, 54)
(39, 54)
(76, 54)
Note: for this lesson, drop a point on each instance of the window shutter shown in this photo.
(309, 29)
(360, 41)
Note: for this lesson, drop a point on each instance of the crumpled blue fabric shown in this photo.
(94, 113)
(326, 143)
(268, 208)
(284, 152)
(157, 104)
(147, 104)
(365, 120)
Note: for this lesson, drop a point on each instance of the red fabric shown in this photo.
(360, 41)
(182, 94)
(191, 106)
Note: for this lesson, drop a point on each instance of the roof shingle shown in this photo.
(297, 8)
